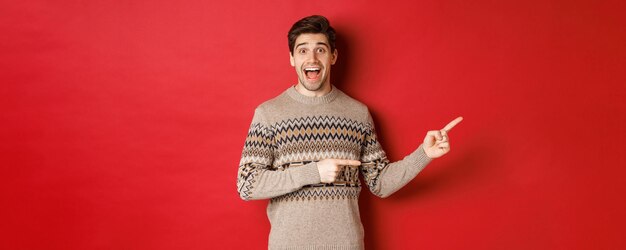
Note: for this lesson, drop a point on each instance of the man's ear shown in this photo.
(293, 63)
(334, 57)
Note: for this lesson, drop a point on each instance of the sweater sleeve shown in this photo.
(256, 178)
(383, 177)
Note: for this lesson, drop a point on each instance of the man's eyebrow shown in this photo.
(318, 43)
(323, 43)
(300, 44)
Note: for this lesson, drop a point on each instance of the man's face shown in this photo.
(312, 59)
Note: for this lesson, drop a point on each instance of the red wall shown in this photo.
(122, 122)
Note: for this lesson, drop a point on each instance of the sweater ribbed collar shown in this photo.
(327, 98)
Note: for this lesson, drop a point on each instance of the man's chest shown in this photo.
(312, 138)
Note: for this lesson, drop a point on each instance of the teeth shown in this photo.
(311, 69)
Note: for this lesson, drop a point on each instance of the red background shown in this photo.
(123, 121)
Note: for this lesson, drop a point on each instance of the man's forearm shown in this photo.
(396, 175)
(266, 184)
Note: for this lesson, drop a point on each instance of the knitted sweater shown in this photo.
(288, 135)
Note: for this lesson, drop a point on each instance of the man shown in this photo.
(305, 148)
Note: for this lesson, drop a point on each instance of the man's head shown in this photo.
(312, 25)
(312, 52)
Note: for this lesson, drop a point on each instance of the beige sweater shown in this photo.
(288, 135)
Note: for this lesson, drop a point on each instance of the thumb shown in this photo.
(430, 138)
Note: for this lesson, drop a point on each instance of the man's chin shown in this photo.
(312, 86)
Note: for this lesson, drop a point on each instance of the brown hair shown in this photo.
(313, 25)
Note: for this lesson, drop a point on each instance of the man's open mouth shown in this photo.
(312, 73)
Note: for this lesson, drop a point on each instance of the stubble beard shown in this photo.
(312, 87)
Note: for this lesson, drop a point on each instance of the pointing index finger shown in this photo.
(452, 124)
(348, 162)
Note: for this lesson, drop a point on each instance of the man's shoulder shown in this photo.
(275, 102)
(272, 108)
(352, 103)
(348, 107)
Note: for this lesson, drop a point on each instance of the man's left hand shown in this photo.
(436, 142)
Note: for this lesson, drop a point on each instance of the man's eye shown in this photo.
(302, 51)
(321, 50)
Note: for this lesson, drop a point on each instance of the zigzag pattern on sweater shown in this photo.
(257, 155)
(259, 145)
(319, 137)
(314, 128)
(246, 178)
(320, 193)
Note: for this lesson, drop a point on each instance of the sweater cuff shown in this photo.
(307, 174)
(419, 157)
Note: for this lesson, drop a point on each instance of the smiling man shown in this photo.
(312, 57)
(306, 147)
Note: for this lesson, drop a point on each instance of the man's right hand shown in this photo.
(329, 168)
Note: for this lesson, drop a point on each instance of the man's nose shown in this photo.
(312, 56)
